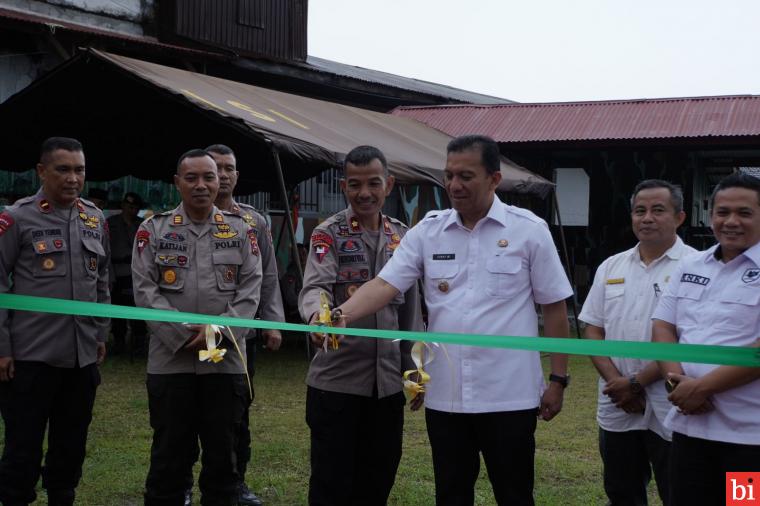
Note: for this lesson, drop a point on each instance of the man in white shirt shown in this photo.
(714, 298)
(484, 265)
(632, 398)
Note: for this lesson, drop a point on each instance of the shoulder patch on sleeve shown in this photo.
(6, 222)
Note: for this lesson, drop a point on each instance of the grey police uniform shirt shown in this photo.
(59, 253)
(271, 308)
(211, 268)
(342, 257)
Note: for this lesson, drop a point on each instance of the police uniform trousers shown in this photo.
(183, 409)
(355, 447)
(698, 469)
(627, 457)
(41, 397)
(243, 435)
(507, 442)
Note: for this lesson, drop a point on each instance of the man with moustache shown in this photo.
(354, 399)
(714, 298)
(270, 306)
(633, 403)
(198, 259)
(484, 265)
(52, 244)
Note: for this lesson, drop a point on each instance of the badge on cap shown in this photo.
(503, 243)
(170, 276)
(48, 264)
(443, 286)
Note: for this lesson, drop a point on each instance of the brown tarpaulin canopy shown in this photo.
(136, 118)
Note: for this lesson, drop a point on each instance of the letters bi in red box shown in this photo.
(743, 489)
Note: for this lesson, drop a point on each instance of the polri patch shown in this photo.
(693, 278)
(6, 222)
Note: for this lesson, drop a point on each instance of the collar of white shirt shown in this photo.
(496, 213)
(752, 253)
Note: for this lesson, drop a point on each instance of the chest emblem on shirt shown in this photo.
(48, 264)
(174, 236)
(350, 246)
(503, 243)
(169, 276)
(693, 278)
(443, 286)
(225, 232)
(751, 275)
(58, 243)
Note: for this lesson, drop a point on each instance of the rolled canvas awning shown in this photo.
(136, 118)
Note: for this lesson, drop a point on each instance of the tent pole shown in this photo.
(286, 204)
(291, 228)
(570, 272)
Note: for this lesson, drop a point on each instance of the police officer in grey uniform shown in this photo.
(123, 228)
(198, 259)
(270, 307)
(354, 401)
(52, 244)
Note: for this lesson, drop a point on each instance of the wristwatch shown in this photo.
(636, 387)
(562, 380)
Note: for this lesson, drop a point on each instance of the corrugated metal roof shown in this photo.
(721, 116)
(55, 24)
(404, 83)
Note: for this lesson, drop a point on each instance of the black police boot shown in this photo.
(60, 497)
(246, 497)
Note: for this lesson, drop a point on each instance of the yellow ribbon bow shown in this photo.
(413, 388)
(325, 318)
(212, 353)
(216, 355)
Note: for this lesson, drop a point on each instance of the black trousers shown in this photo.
(355, 447)
(627, 457)
(243, 436)
(122, 296)
(185, 408)
(41, 397)
(698, 468)
(507, 442)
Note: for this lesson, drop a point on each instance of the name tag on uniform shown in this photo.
(444, 256)
(616, 281)
(693, 278)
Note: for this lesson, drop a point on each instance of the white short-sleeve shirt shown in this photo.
(621, 301)
(482, 281)
(711, 302)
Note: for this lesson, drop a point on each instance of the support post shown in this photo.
(570, 272)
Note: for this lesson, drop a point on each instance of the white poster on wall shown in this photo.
(572, 196)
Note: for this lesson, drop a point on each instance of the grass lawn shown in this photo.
(568, 469)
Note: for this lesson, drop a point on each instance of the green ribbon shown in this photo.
(695, 353)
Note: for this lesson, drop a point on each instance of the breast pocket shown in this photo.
(227, 266)
(613, 300)
(505, 276)
(689, 296)
(172, 271)
(50, 258)
(440, 275)
(92, 253)
(739, 309)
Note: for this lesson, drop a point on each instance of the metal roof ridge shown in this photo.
(582, 102)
